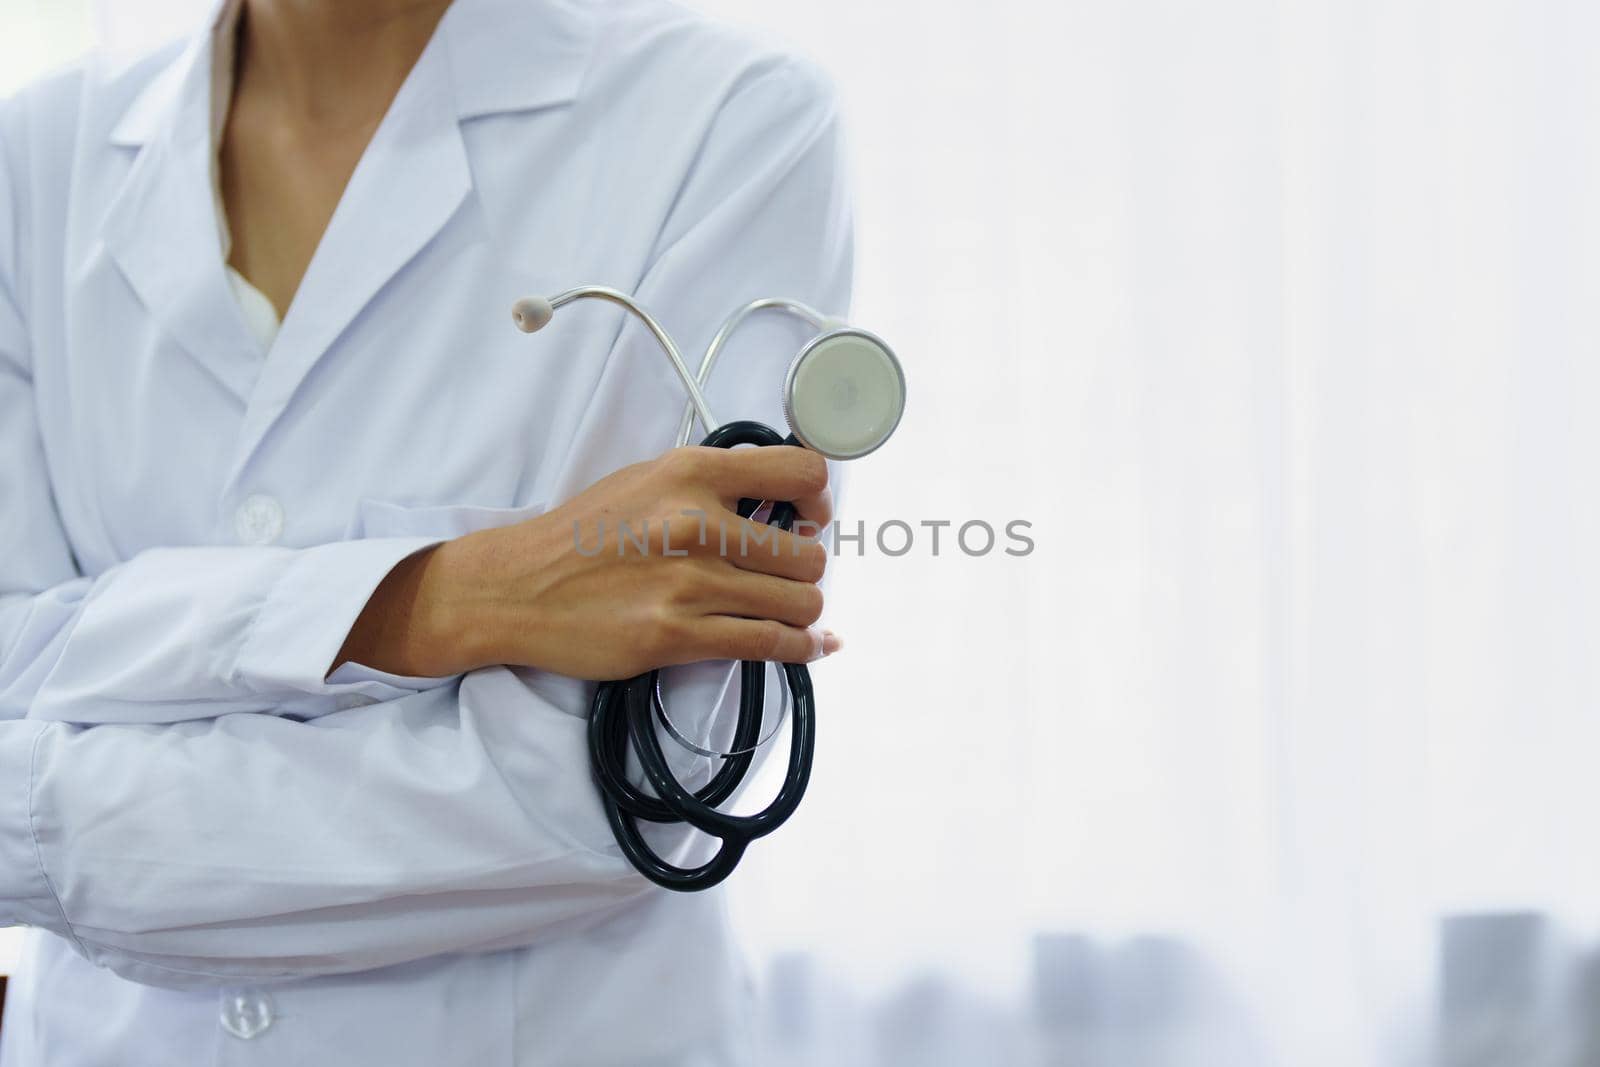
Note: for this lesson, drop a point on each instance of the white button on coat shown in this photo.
(429, 880)
(259, 520)
(246, 1014)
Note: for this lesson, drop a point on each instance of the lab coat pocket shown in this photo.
(380, 518)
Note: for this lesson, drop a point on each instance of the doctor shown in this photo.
(293, 635)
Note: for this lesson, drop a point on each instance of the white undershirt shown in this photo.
(259, 314)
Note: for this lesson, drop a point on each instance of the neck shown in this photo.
(331, 61)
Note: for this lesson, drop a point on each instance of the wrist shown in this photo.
(415, 623)
(452, 627)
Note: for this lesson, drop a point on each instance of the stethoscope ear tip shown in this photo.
(532, 313)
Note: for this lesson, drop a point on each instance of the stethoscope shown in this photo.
(843, 396)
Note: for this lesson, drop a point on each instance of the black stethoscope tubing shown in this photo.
(622, 720)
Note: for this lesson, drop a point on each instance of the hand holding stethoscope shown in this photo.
(842, 397)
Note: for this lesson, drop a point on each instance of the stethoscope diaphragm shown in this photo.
(844, 394)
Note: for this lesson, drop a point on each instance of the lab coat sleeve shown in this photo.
(174, 632)
(185, 633)
(171, 633)
(458, 818)
(260, 848)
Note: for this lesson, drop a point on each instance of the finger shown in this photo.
(724, 637)
(755, 546)
(778, 472)
(815, 513)
(763, 596)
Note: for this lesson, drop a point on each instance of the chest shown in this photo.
(280, 184)
(398, 379)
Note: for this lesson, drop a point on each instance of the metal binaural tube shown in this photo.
(697, 400)
(794, 307)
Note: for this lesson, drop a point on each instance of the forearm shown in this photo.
(414, 622)
(196, 632)
(455, 820)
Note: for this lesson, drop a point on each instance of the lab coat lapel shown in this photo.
(161, 230)
(487, 57)
(410, 181)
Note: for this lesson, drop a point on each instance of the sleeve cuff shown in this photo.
(359, 678)
(308, 614)
(25, 895)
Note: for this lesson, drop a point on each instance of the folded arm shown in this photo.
(181, 845)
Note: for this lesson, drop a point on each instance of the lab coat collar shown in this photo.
(156, 106)
(505, 55)
(488, 56)
(517, 55)
(161, 230)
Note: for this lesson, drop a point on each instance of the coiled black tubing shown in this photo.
(622, 719)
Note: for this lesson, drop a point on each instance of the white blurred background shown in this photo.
(1279, 321)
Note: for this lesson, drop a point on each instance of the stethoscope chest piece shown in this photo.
(844, 394)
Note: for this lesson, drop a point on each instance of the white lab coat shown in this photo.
(213, 840)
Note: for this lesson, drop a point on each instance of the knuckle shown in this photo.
(665, 634)
(677, 585)
(704, 540)
(741, 537)
(658, 621)
(686, 515)
(687, 582)
(685, 464)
